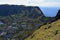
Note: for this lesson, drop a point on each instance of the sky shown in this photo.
(50, 11)
(46, 3)
(41, 3)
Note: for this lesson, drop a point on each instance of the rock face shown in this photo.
(58, 15)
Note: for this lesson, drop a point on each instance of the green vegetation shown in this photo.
(20, 25)
(20, 22)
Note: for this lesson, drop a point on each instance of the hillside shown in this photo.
(18, 21)
(47, 32)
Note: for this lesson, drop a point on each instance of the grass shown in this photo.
(47, 32)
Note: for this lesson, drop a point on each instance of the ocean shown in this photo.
(50, 11)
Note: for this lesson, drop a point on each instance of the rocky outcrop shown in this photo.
(58, 15)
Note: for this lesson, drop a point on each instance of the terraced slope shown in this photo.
(47, 32)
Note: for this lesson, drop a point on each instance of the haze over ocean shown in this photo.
(50, 11)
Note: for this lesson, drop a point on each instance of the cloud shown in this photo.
(52, 0)
(31, 2)
(50, 4)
